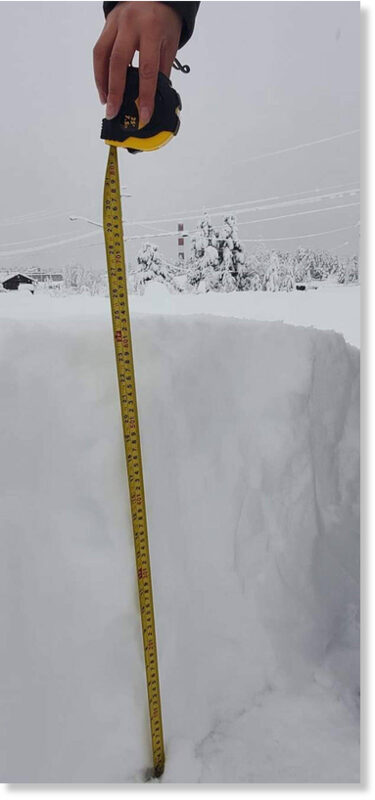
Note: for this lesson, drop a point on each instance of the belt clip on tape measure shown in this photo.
(124, 131)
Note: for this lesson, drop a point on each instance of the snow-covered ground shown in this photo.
(331, 307)
(250, 445)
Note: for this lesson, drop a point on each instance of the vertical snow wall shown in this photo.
(250, 446)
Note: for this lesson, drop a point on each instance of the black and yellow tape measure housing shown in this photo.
(124, 130)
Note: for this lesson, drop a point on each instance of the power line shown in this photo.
(48, 246)
(338, 247)
(303, 236)
(171, 233)
(207, 209)
(40, 216)
(299, 146)
(30, 241)
(255, 221)
(298, 214)
(252, 221)
(33, 216)
(149, 223)
(261, 239)
(301, 201)
(282, 196)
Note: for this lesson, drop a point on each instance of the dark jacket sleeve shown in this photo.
(187, 12)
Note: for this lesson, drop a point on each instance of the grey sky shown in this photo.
(265, 76)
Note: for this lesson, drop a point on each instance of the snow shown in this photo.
(331, 307)
(250, 447)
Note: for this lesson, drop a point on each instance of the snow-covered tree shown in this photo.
(227, 280)
(301, 266)
(204, 259)
(248, 277)
(231, 255)
(255, 283)
(260, 261)
(218, 263)
(80, 280)
(319, 266)
(287, 276)
(217, 259)
(205, 236)
(348, 271)
(354, 269)
(193, 276)
(211, 269)
(272, 280)
(194, 271)
(150, 267)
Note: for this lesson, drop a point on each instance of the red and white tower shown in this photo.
(181, 242)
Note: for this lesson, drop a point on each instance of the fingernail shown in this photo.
(111, 110)
(102, 98)
(144, 116)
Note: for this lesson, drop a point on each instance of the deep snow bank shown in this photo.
(250, 444)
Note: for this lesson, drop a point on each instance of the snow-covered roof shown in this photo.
(14, 275)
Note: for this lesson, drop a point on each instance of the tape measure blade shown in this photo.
(114, 243)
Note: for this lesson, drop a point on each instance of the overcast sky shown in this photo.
(265, 77)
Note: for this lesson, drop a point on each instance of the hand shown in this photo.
(152, 28)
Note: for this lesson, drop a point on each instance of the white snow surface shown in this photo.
(250, 448)
(331, 307)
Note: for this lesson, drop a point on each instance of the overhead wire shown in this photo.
(299, 146)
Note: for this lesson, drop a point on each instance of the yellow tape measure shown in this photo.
(113, 233)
